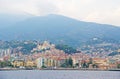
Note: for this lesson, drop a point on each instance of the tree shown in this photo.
(90, 61)
(5, 64)
(2, 64)
(118, 66)
(43, 66)
(85, 65)
(68, 63)
(95, 66)
(77, 65)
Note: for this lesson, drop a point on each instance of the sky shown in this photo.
(100, 11)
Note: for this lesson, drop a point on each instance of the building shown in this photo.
(18, 63)
(30, 64)
(40, 62)
(102, 63)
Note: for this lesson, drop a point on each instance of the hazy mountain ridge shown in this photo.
(59, 29)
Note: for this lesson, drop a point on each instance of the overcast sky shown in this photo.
(100, 11)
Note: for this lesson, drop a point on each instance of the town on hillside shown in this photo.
(45, 55)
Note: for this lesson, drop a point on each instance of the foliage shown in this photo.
(26, 48)
(118, 66)
(85, 65)
(90, 61)
(23, 46)
(77, 65)
(68, 63)
(5, 64)
(113, 53)
(66, 48)
(43, 66)
(95, 66)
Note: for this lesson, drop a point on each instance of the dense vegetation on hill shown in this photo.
(113, 53)
(27, 46)
(23, 46)
(66, 48)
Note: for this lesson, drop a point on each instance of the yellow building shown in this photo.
(101, 63)
(18, 63)
(30, 64)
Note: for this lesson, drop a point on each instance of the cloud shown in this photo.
(113, 17)
(48, 7)
(106, 17)
(101, 11)
(33, 7)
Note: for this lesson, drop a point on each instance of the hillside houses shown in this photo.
(45, 55)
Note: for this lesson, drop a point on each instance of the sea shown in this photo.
(59, 74)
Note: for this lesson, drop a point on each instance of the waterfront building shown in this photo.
(30, 64)
(40, 62)
(102, 63)
(18, 63)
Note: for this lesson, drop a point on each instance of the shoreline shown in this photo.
(15, 69)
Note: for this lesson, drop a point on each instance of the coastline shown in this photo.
(80, 69)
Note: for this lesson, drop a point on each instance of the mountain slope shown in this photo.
(59, 29)
(7, 20)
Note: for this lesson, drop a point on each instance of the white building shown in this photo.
(40, 62)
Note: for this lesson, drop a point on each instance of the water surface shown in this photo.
(59, 74)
